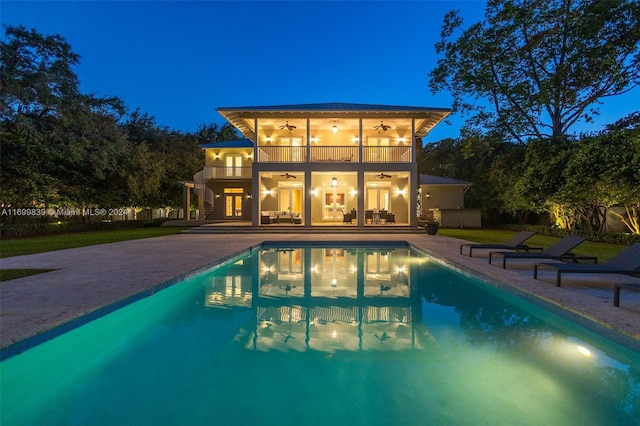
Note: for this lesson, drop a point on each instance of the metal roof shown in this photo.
(238, 143)
(334, 107)
(439, 180)
(243, 117)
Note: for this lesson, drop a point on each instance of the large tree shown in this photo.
(532, 69)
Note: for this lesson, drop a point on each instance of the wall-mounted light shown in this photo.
(248, 196)
(217, 195)
(314, 192)
(334, 182)
(267, 139)
(354, 139)
(428, 195)
(334, 282)
(314, 139)
(217, 156)
(401, 192)
(400, 139)
(249, 156)
(334, 129)
(354, 192)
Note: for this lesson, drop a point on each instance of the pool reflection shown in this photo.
(325, 299)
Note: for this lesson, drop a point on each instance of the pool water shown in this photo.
(325, 336)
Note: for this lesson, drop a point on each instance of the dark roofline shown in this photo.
(334, 107)
(237, 143)
(439, 180)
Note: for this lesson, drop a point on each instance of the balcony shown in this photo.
(334, 154)
(227, 172)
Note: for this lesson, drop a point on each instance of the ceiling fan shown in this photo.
(289, 176)
(382, 127)
(384, 175)
(289, 127)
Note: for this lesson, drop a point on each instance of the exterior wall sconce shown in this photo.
(249, 156)
(267, 139)
(248, 196)
(217, 195)
(314, 192)
(355, 139)
(314, 139)
(334, 182)
(400, 139)
(401, 192)
(428, 195)
(217, 156)
(354, 192)
(334, 129)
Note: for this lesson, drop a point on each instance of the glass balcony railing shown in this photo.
(228, 172)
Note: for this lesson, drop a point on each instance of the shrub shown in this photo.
(26, 230)
(599, 237)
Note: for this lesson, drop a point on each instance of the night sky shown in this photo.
(178, 61)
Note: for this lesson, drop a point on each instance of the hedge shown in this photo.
(598, 237)
(26, 230)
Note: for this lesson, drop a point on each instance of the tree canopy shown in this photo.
(533, 69)
(62, 147)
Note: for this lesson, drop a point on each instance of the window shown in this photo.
(233, 163)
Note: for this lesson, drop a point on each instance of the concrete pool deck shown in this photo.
(90, 278)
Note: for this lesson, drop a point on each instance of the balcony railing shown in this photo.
(334, 154)
(227, 172)
(386, 154)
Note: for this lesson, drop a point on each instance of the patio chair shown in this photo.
(368, 215)
(558, 251)
(346, 218)
(383, 216)
(627, 262)
(513, 243)
(391, 218)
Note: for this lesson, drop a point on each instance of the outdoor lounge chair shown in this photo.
(627, 262)
(513, 243)
(558, 251)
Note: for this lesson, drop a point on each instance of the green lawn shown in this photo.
(22, 246)
(11, 274)
(496, 236)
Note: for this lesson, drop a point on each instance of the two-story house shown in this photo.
(317, 164)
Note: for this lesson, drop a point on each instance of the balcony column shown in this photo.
(361, 194)
(256, 201)
(186, 201)
(308, 150)
(415, 174)
(360, 179)
(360, 141)
(413, 141)
(307, 198)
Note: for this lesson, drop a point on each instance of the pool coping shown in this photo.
(133, 269)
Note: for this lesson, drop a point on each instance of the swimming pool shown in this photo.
(325, 335)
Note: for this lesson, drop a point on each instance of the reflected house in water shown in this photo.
(325, 299)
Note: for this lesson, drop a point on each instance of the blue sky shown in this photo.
(178, 61)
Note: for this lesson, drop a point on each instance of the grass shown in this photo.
(23, 246)
(497, 236)
(12, 274)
